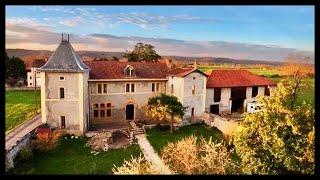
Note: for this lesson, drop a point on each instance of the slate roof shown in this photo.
(64, 59)
(236, 78)
(115, 70)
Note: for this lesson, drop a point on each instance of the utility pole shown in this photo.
(34, 91)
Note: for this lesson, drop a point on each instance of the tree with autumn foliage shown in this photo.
(280, 138)
(165, 108)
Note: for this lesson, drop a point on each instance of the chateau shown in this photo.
(77, 95)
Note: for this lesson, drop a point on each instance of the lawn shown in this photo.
(159, 138)
(20, 106)
(73, 157)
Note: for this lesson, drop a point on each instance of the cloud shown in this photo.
(36, 36)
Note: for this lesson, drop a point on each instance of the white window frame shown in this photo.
(130, 87)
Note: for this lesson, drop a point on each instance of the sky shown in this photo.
(240, 32)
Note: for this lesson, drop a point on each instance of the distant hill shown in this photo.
(29, 55)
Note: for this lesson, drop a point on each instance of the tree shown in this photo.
(280, 138)
(114, 58)
(162, 106)
(142, 52)
(15, 69)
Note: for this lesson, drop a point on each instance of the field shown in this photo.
(71, 156)
(20, 106)
(307, 89)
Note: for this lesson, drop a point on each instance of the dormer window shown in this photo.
(129, 71)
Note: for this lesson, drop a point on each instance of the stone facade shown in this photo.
(118, 97)
(225, 102)
(74, 104)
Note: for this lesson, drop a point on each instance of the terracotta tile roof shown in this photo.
(236, 78)
(182, 71)
(115, 69)
(38, 63)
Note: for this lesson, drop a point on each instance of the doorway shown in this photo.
(238, 95)
(214, 109)
(130, 112)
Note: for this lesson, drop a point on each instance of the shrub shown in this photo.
(23, 155)
(45, 140)
(189, 156)
(136, 166)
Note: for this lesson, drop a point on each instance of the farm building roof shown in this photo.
(236, 78)
(115, 70)
(64, 59)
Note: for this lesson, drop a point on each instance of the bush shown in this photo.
(23, 155)
(136, 166)
(45, 140)
(188, 156)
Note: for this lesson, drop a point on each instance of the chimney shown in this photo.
(195, 64)
(68, 37)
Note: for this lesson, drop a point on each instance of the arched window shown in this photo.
(129, 71)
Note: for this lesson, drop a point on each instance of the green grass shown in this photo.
(20, 106)
(72, 157)
(158, 139)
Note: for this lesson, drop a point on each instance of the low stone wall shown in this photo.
(226, 126)
(21, 88)
(13, 152)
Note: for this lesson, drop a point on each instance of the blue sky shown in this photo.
(288, 27)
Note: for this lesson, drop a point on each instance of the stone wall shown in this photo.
(13, 152)
(226, 126)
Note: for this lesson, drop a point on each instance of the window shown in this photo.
(61, 93)
(129, 70)
(96, 113)
(192, 111)
(153, 87)
(130, 87)
(108, 109)
(30, 77)
(102, 110)
(217, 94)
(63, 122)
(104, 88)
(102, 113)
(30, 84)
(266, 91)
(194, 78)
(61, 78)
(193, 90)
(99, 88)
(254, 91)
(127, 87)
(172, 90)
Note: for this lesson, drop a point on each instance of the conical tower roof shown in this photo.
(64, 59)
